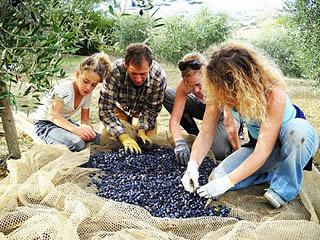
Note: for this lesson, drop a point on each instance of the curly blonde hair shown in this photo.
(98, 63)
(240, 77)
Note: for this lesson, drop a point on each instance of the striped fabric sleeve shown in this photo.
(107, 104)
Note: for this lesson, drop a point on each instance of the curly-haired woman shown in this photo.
(282, 142)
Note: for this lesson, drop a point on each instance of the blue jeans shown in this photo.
(298, 141)
(53, 134)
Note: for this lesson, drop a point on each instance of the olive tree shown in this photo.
(33, 36)
(304, 23)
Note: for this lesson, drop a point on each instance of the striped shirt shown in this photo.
(144, 101)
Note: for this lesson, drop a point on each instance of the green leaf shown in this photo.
(34, 16)
(159, 25)
(111, 10)
(38, 103)
(58, 62)
(155, 12)
(13, 80)
(62, 73)
(63, 21)
(28, 90)
(55, 3)
(4, 95)
(3, 54)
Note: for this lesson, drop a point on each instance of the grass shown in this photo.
(301, 93)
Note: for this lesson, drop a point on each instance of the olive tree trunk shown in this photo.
(8, 124)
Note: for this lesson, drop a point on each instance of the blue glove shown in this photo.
(182, 152)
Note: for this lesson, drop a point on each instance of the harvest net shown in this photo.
(47, 195)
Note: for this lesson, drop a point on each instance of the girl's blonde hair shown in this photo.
(240, 77)
(98, 63)
(188, 72)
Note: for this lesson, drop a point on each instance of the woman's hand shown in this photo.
(216, 187)
(191, 176)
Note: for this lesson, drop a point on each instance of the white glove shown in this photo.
(216, 187)
(190, 177)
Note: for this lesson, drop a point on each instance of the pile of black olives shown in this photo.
(151, 180)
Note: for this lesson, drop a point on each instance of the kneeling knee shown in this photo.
(78, 146)
(295, 138)
(296, 132)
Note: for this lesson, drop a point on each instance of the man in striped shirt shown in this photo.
(135, 88)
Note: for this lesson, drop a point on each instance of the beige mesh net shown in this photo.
(45, 196)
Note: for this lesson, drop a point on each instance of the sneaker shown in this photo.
(274, 199)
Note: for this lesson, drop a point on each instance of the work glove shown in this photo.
(129, 143)
(144, 141)
(190, 177)
(216, 187)
(182, 152)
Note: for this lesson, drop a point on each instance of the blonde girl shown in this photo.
(52, 118)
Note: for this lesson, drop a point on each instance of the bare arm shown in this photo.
(85, 117)
(230, 126)
(85, 123)
(54, 116)
(268, 135)
(206, 135)
(178, 108)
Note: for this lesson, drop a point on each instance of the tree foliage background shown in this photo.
(173, 37)
(294, 40)
(304, 22)
(34, 35)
